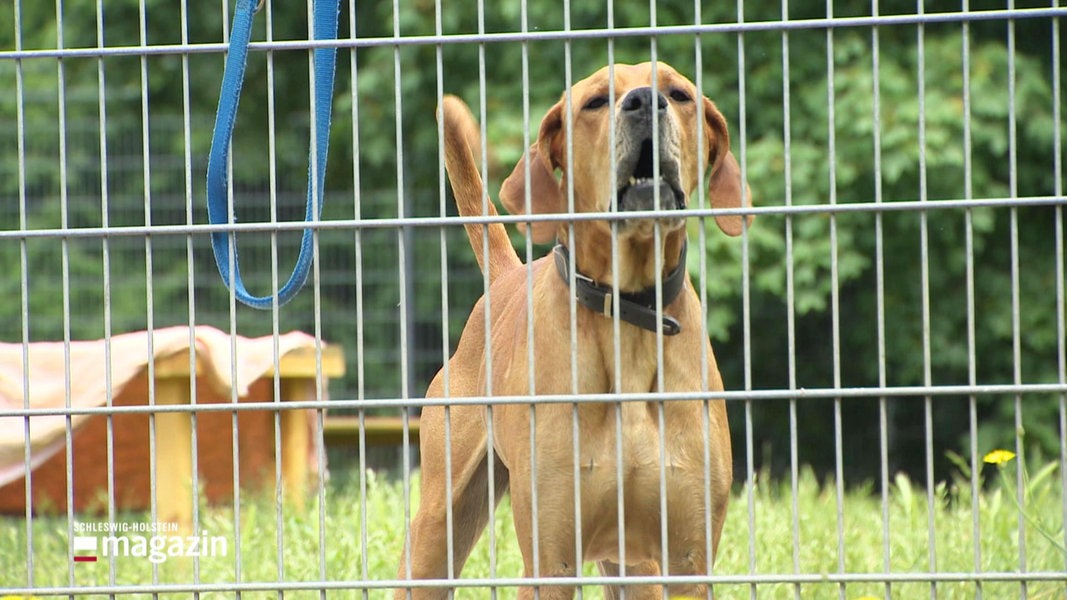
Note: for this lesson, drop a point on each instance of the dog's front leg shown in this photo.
(554, 530)
(545, 515)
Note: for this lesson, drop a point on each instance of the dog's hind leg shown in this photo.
(470, 496)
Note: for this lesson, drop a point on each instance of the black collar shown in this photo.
(637, 308)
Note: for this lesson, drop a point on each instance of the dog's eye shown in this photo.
(596, 102)
(680, 96)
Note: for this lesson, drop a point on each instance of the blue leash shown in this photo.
(325, 28)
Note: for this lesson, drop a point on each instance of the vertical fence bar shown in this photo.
(659, 259)
(879, 278)
(178, 421)
(705, 376)
(64, 245)
(232, 308)
(360, 360)
(1061, 303)
(531, 352)
(357, 248)
(190, 283)
(568, 58)
(235, 431)
(924, 262)
(790, 297)
(101, 99)
(316, 264)
(442, 210)
(702, 282)
(484, 162)
(272, 194)
(316, 289)
(835, 298)
(568, 119)
(972, 362)
(531, 367)
(575, 338)
(1016, 338)
(746, 313)
(320, 413)
(402, 251)
(616, 324)
(24, 288)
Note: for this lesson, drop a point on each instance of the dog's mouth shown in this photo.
(639, 185)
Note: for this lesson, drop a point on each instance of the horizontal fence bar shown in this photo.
(554, 35)
(448, 221)
(730, 396)
(510, 582)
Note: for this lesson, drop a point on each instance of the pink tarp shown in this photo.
(126, 356)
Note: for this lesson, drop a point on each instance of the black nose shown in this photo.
(640, 102)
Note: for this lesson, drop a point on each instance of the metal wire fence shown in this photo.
(893, 316)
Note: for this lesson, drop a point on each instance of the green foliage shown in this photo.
(761, 542)
(130, 168)
(922, 156)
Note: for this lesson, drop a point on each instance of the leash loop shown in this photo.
(325, 59)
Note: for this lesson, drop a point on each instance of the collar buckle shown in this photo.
(606, 310)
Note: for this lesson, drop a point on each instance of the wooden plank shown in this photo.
(296, 363)
(296, 440)
(174, 457)
(297, 369)
(379, 431)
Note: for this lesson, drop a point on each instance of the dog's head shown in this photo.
(651, 161)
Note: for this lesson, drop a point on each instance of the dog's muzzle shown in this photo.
(637, 156)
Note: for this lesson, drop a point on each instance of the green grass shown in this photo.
(863, 529)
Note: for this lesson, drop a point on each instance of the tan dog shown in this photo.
(549, 460)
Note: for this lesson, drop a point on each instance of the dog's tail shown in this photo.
(462, 142)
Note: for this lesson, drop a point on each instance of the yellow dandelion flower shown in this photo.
(999, 457)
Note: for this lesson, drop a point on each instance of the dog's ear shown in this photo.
(545, 195)
(725, 189)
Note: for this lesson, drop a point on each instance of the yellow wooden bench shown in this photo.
(297, 372)
(378, 430)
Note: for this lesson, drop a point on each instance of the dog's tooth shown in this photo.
(633, 180)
